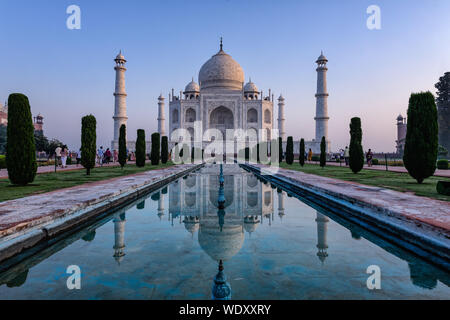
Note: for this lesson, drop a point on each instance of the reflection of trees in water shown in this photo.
(18, 281)
(89, 236)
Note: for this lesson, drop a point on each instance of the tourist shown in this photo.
(310, 154)
(100, 156)
(107, 156)
(64, 154)
(58, 155)
(347, 156)
(115, 155)
(369, 157)
(78, 157)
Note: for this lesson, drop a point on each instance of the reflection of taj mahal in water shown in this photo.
(195, 202)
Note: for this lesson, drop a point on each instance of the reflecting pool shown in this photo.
(169, 245)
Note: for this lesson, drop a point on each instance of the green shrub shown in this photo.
(2, 162)
(140, 148)
(69, 161)
(375, 162)
(20, 144)
(442, 164)
(443, 187)
(301, 158)
(421, 145)
(315, 158)
(164, 149)
(323, 153)
(290, 151)
(155, 148)
(88, 142)
(123, 146)
(356, 150)
(280, 150)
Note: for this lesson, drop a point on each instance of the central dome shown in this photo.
(221, 71)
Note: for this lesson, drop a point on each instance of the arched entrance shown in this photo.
(222, 119)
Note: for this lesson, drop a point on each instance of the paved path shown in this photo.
(437, 173)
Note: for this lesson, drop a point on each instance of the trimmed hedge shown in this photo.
(122, 146)
(88, 142)
(20, 144)
(323, 153)
(140, 148)
(443, 187)
(2, 162)
(155, 154)
(301, 158)
(290, 151)
(421, 145)
(356, 150)
(442, 164)
(164, 149)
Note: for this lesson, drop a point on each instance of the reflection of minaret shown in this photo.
(161, 205)
(119, 237)
(280, 205)
(221, 289)
(322, 236)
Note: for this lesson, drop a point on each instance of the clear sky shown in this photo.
(69, 73)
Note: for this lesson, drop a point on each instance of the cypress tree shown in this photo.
(280, 148)
(155, 155)
(302, 152)
(20, 144)
(88, 142)
(122, 146)
(140, 148)
(421, 145)
(192, 154)
(290, 151)
(323, 154)
(356, 150)
(164, 149)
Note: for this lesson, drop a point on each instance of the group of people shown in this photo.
(61, 154)
(345, 154)
(106, 156)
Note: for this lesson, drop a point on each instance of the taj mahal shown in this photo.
(221, 100)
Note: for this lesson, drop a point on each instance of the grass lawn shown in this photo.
(46, 182)
(390, 180)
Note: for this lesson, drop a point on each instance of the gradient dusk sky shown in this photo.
(69, 73)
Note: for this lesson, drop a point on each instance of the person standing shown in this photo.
(78, 157)
(369, 157)
(100, 156)
(310, 154)
(107, 156)
(64, 154)
(58, 155)
(347, 155)
(115, 155)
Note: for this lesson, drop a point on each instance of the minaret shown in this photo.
(281, 119)
(160, 205)
(322, 101)
(322, 221)
(119, 237)
(161, 119)
(401, 133)
(120, 103)
(280, 204)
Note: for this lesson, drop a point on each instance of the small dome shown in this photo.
(400, 117)
(192, 87)
(322, 58)
(221, 71)
(281, 98)
(161, 97)
(250, 87)
(120, 56)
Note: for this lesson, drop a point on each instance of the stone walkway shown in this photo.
(25, 213)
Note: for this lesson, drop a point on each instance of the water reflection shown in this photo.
(220, 215)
